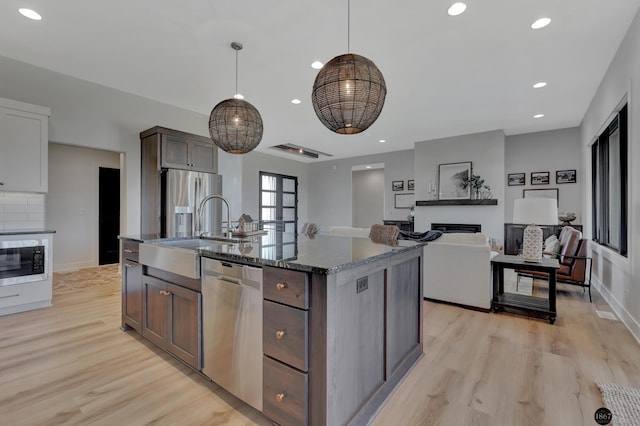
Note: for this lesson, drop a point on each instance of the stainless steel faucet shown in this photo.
(199, 212)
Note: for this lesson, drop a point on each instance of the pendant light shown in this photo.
(348, 92)
(235, 125)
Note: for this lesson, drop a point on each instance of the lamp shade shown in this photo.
(541, 211)
(348, 94)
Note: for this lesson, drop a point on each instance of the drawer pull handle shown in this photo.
(164, 292)
(280, 334)
(280, 396)
(9, 295)
(281, 286)
(130, 265)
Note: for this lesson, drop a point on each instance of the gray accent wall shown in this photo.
(546, 152)
(486, 151)
(368, 197)
(330, 202)
(616, 277)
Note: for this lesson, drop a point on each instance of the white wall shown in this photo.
(546, 152)
(90, 115)
(330, 186)
(486, 151)
(617, 277)
(368, 197)
(72, 203)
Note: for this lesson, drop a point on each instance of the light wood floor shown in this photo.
(71, 364)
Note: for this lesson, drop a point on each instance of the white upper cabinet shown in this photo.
(24, 144)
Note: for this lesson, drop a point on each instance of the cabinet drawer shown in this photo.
(285, 396)
(284, 335)
(131, 250)
(20, 294)
(288, 287)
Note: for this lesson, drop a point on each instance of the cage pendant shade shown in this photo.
(235, 126)
(348, 94)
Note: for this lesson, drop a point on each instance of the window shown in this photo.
(279, 212)
(609, 185)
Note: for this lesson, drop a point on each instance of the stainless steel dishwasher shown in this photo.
(232, 328)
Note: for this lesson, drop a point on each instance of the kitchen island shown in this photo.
(342, 318)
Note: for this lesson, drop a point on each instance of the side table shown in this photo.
(535, 306)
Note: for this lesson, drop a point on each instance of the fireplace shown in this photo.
(456, 227)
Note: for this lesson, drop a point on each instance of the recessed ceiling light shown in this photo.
(317, 65)
(540, 23)
(539, 84)
(31, 14)
(296, 101)
(382, 140)
(456, 9)
(538, 116)
(367, 167)
(238, 96)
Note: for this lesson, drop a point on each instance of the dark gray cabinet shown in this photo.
(131, 286)
(188, 154)
(513, 235)
(172, 319)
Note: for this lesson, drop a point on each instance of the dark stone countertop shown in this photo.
(28, 231)
(321, 254)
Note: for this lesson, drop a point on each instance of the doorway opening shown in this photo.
(108, 216)
(367, 195)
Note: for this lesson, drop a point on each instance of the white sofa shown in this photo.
(349, 231)
(457, 269)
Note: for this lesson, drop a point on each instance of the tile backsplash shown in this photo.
(21, 210)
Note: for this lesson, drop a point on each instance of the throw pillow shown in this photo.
(551, 247)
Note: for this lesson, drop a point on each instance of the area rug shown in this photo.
(623, 401)
(524, 286)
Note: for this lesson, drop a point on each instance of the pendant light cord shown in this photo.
(348, 25)
(236, 73)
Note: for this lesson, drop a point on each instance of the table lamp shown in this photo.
(534, 211)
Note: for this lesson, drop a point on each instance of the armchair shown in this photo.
(575, 265)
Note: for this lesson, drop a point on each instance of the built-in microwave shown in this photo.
(23, 261)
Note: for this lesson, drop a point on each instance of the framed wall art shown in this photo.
(541, 193)
(450, 178)
(410, 185)
(539, 178)
(566, 176)
(397, 185)
(404, 201)
(515, 179)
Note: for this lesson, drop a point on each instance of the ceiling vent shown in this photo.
(299, 150)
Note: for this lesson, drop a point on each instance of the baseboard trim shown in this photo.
(627, 319)
(460, 305)
(73, 266)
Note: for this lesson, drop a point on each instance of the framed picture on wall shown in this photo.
(515, 179)
(566, 176)
(397, 185)
(403, 201)
(539, 178)
(450, 178)
(410, 185)
(541, 193)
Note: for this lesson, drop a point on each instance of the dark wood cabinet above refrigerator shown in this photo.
(166, 149)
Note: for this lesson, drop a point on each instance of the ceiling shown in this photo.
(445, 75)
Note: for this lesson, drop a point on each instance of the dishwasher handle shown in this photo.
(229, 280)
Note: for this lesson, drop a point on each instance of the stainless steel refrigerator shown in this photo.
(181, 194)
